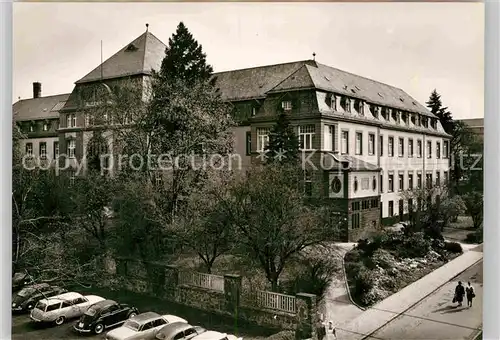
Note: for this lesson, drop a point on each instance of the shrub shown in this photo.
(383, 258)
(363, 282)
(475, 237)
(283, 335)
(453, 247)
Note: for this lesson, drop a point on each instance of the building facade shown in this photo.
(362, 142)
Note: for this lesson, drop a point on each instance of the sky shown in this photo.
(418, 47)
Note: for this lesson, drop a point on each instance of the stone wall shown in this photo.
(163, 281)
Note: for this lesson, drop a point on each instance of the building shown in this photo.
(364, 141)
(476, 125)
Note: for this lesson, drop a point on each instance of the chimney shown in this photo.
(37, 90)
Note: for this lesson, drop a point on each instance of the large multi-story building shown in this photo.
(476, 125)
(363, 142)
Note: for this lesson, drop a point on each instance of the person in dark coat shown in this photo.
(459, 293)
(469, 293)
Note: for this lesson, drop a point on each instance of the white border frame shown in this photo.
(6, 162)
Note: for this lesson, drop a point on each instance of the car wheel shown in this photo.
(131, 315)
(60, 320)
(98, 328)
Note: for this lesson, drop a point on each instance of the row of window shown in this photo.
(411, 205)
(410, 151)
(42, 149)
(413, 182)
(33, 126)
(90, 120)
(305, 135)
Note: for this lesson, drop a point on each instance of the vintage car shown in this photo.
(27, 297)
(103, 315)
(179, 330)
(142, 327)
(19, 280)
(213, 335)
(59, 308)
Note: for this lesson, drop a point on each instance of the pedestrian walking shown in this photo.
(470, 294)
(459, 294)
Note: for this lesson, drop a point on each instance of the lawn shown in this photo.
(382, 266)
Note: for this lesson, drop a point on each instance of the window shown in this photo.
(445, 177)
(419, 181)
(88, 120)
(147, 326)
(374, 203)
(359, 143)
(345, 142)
(391, 147)
(307, 183)
(159, 322)
(158, 181)
(43, 150)
(346, 104)
(262, 139)
(360, 106)
(189, 332)
(438, 178)
(410, 205)
(333, 102)
(419, 148)
(248, 143)
(29, 149)
(381, 183)
(53, 307)
(371, 144)
(410, 181)
(306, 137)
(71, 148)
(328, 139)
(410, 147)
(73, 120)
(355, 221)
(355, 206)
(438, 150)
(365, 205)
(401, 182)
(32, 128)
(391, 208)
(179, 336)
(381, 145)
(45, 127)
(391, 183)
(286, 105)
(445, 149)
(429, 149)
(428, 180)
(401, 147)
(254, 111)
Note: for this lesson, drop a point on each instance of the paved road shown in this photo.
(435, 317)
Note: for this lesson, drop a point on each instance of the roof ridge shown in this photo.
(145, 48)
(291, 74)
(264, 66)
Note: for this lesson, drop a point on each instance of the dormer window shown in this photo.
(131, 48)
(32, 127)
(414, 118)
(395, 115)
(45, 127)
(385, 113)
(286, 105)
(360, 107)
(254, 111)
(331, 101)
(425, 122)
(346, 104)
(374, 109)
(434, 123)
(404, 117)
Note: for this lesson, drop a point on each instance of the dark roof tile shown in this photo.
(39, 108)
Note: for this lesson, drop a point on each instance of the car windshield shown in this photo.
(41, 306)
(133, 325)
(90, 312)
(25, 292)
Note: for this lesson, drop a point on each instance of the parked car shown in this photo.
(213, 335)
(103, 315)
(179, 330)
(27, 297)
(19, 280)
(142, 327)
(59, 308)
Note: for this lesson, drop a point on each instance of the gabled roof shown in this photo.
(39, 108)
(138, 57)
(330, 79)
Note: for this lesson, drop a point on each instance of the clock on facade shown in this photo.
(336, 185)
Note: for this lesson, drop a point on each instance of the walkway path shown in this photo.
(373, 319)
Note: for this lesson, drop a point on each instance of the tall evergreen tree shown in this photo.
(184, 59)
(436, 107)
(283, 142)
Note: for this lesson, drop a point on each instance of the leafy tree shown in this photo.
(436, 107)
(283, 142)
(271, 218)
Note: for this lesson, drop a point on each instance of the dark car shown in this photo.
(19, 280)
(103, 315)
(26, 298)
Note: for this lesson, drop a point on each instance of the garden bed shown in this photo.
(389, 262)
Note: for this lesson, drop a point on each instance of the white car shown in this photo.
(62, 307)
(213, 335)
(144, 326)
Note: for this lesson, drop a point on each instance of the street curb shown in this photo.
(413, 305)
(347, 283)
